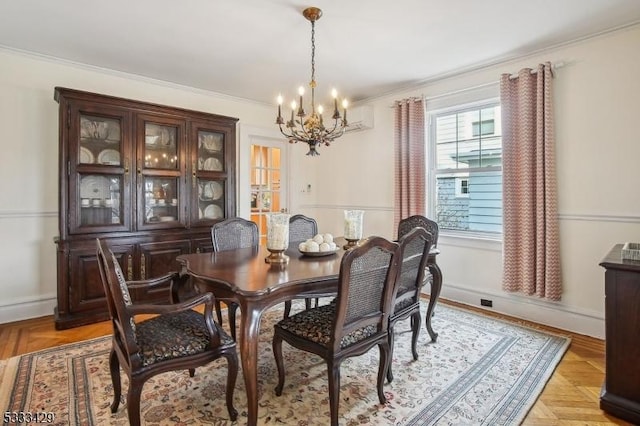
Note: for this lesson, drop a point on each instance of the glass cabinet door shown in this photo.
(210, 151)
(161, 147)
(210, 177)
(161, 200)
(100, 140)
(99, 176)
(211, 196)
(160, 171)
(100, 200)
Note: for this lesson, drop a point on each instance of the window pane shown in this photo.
(468, 169)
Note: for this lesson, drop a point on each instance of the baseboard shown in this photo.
(531, 309)
(27, 310)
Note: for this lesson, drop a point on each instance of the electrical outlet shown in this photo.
(486, 302)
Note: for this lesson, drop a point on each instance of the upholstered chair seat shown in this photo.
(174, 336)
(316, 325)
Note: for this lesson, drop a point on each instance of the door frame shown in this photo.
(249, 135)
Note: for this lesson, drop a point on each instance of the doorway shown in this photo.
(268, 182)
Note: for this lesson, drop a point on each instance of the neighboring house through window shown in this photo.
(465, 168)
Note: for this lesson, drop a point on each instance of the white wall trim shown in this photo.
(581, 321)
(347, 207)
(26, 214)
(599, 218)
(28, 308)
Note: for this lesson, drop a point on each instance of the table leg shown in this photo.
(436, 286)
(249, 331)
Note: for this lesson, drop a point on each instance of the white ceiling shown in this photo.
(255, 49)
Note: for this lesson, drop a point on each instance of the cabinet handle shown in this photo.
(139, 169)
(193, 174)
(129, 268)
(143, 267)
(126, 166)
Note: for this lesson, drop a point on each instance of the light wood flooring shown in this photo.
(570, 397)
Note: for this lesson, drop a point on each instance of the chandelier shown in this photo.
(310, 128)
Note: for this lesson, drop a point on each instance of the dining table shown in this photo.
(244, 277)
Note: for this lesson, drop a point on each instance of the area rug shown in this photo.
(481, 371)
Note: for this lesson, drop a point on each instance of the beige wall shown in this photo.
(29, 172)
(597, 111)
(598, 147)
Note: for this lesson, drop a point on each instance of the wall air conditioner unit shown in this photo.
(359, 118)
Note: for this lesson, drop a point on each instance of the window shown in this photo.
(462, 187)
(465, 173)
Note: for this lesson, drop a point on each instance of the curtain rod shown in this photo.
(554, 66)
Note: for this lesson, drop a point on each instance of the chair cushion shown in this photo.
(316, 325)
(174, 335)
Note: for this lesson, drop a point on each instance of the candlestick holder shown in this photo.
(352, 227)
(276, 257)
(351, 243)
(277, 238)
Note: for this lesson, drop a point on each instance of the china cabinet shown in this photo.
(149, 179)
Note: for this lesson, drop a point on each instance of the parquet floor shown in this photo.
(569, 398)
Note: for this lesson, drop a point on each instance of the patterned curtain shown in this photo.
(409, 143)
(530, 208)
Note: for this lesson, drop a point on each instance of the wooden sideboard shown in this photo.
(148, 179)
(620, 394)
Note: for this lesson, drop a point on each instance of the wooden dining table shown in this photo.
(243, 276)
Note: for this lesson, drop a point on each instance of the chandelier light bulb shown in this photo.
(301, 90)
(320, 109)
(280, 99)
(334, 93)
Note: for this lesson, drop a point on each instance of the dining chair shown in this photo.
(301, 228)
(176, 338)
(354, 324)
(417, 221)
(231, 234)
(414, 252)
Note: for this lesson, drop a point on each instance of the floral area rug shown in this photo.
(481, 371)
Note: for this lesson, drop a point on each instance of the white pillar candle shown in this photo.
(278, 231)
(353, 224)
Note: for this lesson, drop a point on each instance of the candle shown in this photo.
(278, 237)
(279, 109)
(353, 224)
(278, 232)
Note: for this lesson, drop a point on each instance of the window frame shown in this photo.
(433, 172)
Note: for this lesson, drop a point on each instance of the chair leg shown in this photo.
(287, 308)
(389, 369)
(219, 312)
(307, 303)
(385, 364)
(277, 354)
(232, 375)
(232, 307)
(133, 401)
(192, 372)
(416, 321)
(114, 368)
(334, 390)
